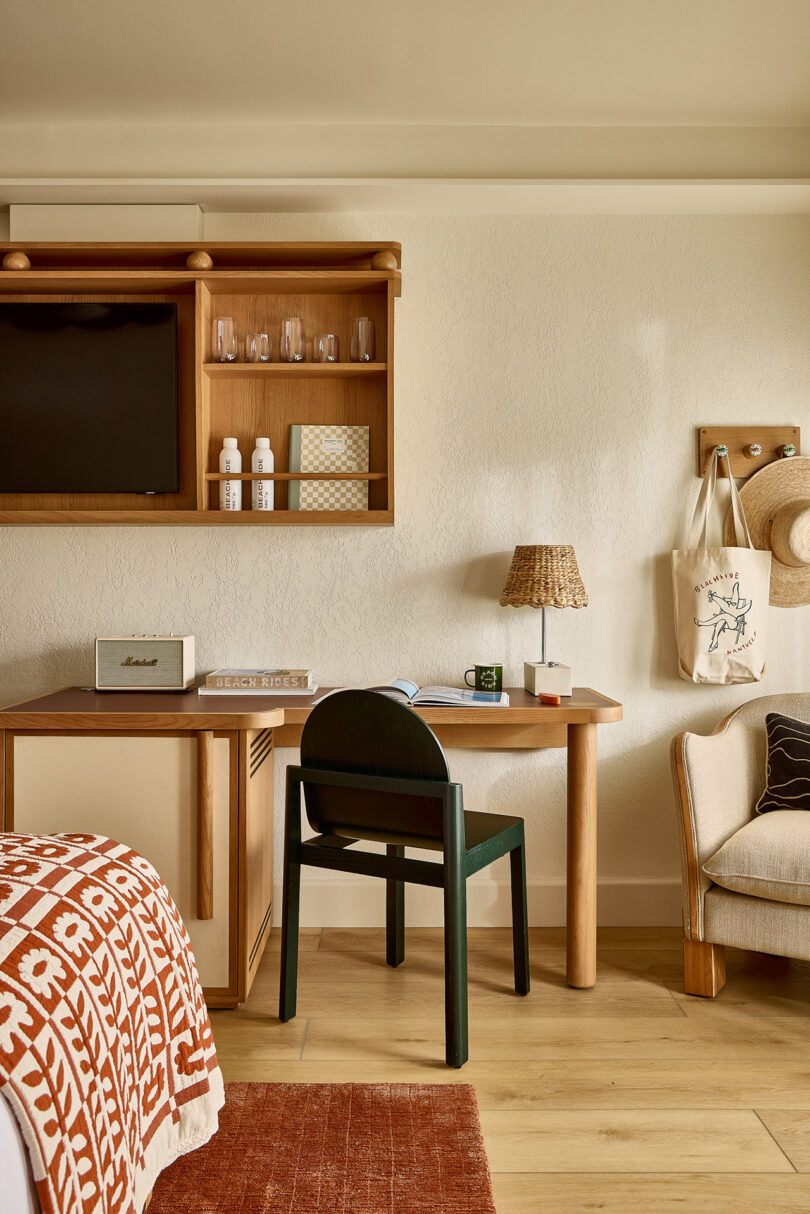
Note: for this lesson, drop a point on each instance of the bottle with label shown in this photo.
(230, 492)
(262, 495)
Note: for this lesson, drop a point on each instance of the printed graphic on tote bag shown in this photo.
(730, 616)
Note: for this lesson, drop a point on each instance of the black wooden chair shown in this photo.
(372, 769)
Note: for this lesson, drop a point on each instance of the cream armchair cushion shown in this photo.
(769, 858)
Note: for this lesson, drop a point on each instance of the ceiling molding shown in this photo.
(283, 151)
(432, 195)
(388, 168)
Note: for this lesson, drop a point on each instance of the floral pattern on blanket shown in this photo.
(106, 1052)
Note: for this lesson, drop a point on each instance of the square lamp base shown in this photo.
(550, 678)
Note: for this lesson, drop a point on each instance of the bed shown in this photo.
(19, 1191)
(108, 1071)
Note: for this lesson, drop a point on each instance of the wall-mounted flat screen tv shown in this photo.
(88, 398)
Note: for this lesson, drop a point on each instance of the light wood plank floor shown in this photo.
(630, 1098)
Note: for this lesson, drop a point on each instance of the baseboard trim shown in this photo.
(354, 902)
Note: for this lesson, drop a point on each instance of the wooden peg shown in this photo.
(384, 260)
(752, 450)
(16, 261)
(199, 260)
(787, 451)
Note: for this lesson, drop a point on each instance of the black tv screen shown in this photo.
(88, 398)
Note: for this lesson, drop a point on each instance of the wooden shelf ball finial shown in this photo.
(199, 260)
(16, 261)
(384, 260)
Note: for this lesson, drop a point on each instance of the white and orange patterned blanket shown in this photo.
(106, 1053)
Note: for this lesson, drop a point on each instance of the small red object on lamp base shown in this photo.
(546, 697)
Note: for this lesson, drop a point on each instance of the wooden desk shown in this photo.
(255, 726)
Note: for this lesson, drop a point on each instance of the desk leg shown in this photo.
(205, 824)
(581, 887)
(3, 780)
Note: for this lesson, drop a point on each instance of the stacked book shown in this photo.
(270, 682)
(328, 449)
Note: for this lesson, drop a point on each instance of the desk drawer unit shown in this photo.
(143, 791)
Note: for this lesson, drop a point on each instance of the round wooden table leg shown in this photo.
(205, 824)
(581, 883)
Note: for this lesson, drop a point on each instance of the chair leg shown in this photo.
(704, 968)
(520, 919)
(455, 936)
(289, 941)
(395, 914)
(288, 983)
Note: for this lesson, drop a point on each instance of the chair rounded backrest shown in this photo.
(367, 733)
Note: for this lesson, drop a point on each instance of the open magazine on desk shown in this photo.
(435, 697)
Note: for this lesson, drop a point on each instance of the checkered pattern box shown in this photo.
(328, 449)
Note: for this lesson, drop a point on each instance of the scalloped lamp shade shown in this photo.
(544, 575)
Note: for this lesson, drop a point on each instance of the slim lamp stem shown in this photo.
(543, 655)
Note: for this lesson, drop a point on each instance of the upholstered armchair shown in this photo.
(718, 779)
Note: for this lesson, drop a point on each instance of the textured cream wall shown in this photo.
(550, 374)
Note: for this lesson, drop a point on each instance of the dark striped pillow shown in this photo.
(787, 774)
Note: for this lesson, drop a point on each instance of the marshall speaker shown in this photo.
(144, 663)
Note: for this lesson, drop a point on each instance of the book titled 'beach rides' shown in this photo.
(328, 449)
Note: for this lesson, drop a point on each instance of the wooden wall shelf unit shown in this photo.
(258, 284)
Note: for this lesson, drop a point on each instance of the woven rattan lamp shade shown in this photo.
(544, 575)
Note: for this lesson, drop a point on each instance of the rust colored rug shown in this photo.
(349, 1148)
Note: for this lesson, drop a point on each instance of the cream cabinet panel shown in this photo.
(140, 791)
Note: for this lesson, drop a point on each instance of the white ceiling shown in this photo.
(515, 62)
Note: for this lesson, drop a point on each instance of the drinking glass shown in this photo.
(292, 343)
(258, 348)
(362, 340)
(224, 339)
(325, 348)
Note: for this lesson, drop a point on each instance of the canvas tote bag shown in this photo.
(721, 597)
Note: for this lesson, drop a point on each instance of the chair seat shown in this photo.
(768, 858)
(478, 828)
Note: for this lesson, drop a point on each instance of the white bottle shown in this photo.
(261, 493)
(230, 492)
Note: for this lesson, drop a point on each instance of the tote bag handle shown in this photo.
(700, 519)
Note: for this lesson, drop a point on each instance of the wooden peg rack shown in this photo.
(739, 439)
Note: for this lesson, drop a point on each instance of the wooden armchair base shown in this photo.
(704, 968)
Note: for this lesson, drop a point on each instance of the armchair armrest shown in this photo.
(717, 781)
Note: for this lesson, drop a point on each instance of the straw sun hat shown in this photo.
(777, 506)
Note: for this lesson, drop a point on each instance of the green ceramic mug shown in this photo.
(488, 676)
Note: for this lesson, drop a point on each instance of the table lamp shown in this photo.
(544, 575)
